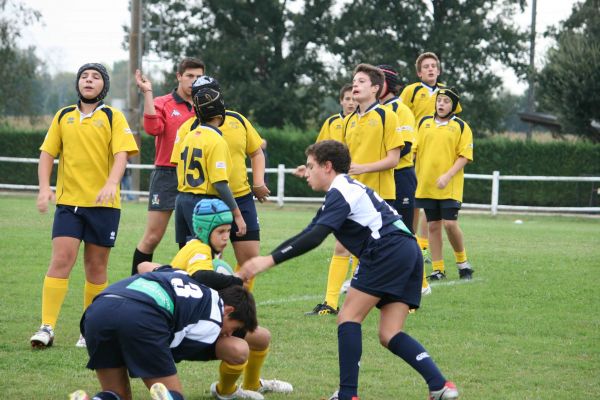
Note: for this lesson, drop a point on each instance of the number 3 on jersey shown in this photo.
(192, 165)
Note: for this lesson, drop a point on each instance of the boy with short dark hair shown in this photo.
(388, 276)
(163, 115)
(176, 319)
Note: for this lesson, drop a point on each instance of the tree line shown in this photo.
(282, 62)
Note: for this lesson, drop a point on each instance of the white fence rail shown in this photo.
(281, 199)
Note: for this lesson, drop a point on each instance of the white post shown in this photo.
(495, 191)
(280, 184)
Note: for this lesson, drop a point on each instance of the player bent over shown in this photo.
(212, 220)
(388, 276)
(176, 319)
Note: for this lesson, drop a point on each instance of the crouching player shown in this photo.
(176, 319)
(388, 276)
(211, 220)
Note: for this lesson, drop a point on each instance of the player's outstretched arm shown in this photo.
(255, 266)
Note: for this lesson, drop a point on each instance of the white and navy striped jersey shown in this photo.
(357, 215)
(194, 311)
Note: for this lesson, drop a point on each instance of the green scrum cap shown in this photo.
(208, 214)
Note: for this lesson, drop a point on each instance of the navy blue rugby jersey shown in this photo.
(194, 311)
(357, 214)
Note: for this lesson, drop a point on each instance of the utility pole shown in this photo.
(133, 99)
(531, 77)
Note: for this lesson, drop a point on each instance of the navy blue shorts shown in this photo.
(406, 185)
(96, 225)
(437, 210)
(248, 210)
(114, 339)
(391, 268)
(163, 189)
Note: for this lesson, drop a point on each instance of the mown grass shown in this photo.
(526, 327)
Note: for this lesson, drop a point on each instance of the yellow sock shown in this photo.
(228, 376)
(460, 256)
(256, 359)
(425, 283)
(423, 242)
(438, 265)
(250, 284)
(53, 296)
(91, 290)
(354, 260)
(338, 269)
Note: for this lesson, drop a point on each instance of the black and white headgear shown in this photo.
(207, 99)
(391, 79)
(453, 95)
(96, 67)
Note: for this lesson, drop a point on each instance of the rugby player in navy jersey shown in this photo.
(175, 319)
(388, 276)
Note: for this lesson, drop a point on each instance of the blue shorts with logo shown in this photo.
(96, 225)
(391, 268)
(248, 210)
(437, 210)
(163, 189)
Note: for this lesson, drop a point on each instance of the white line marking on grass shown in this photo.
(452, 283)
(288, 300)
(318, 297)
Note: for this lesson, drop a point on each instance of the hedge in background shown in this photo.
(286, 146)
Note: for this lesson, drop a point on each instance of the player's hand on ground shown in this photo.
(300, 171)
(261, 192)
(443, 181)
(142, 82)
(44, 196)
(255, 266)
(241, 225)
(357, 169)
(107, 194)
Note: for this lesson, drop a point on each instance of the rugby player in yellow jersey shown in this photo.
(420, 98)
(404, 173)
(444, 147)
(93, 142)
(203, 160)
(374, 140)
(243, 142)
(212, 220)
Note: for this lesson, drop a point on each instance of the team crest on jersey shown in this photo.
(155, 200)
(353, 124)
(70, 120)
(372, 122)
(98, 124)
(233, 124)
(175, 113)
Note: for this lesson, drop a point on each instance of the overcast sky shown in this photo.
(76, 32)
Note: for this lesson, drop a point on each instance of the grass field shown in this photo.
(526, 327)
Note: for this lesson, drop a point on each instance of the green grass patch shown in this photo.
(526, 327)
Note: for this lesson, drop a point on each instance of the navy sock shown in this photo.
(176, 395)
(139, 257)
(417, 357)
(106, 395)
(350, 351)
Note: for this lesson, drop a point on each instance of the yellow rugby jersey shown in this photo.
(420, 98)
(202, 158)
(194, 256)
(438, 147)
(332, 128)
(86, 145)
(243, 140)
(406, 123)
(369, 137)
